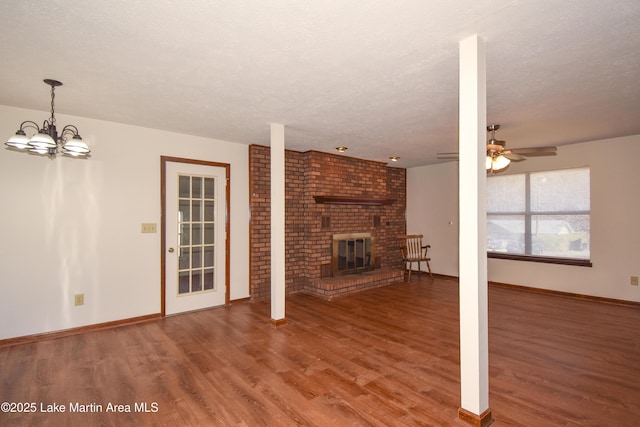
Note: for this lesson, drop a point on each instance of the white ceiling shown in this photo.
(380, 77)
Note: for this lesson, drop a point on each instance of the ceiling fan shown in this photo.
(499, 157)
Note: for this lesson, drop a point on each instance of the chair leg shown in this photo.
(429, 267)
(410, 268)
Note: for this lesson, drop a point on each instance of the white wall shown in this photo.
(615, 220)
(432, 210)
(73, 226)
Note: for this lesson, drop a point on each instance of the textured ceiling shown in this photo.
(380, 77)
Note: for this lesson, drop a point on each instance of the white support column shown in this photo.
(277, 225)
(474, 346)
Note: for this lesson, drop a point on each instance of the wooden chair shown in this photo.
(414, 251)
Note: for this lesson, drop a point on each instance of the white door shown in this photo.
(195, 236)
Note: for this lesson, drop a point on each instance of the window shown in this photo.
(540, 216)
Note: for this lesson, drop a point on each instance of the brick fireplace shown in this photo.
(326, 195)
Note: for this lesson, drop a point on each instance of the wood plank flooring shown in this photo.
(383, 357)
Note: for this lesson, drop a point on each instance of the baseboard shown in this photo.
(78, 330)
(435, 275)
(278, 323)
(626, 303)
(282, 322)
(445, 277)
(482, 420)
(604, 300)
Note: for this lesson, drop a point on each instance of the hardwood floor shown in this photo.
(383, 357)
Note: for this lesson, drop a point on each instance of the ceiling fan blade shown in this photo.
(447, 156)
(514, 157)
(535, 151)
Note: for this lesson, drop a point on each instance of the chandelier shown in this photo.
(46, 140)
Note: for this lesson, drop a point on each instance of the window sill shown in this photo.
(536, 258)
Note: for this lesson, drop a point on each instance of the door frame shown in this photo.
(163, 224)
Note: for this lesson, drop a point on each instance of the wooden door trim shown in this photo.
(163, 224)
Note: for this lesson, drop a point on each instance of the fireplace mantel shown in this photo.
(341, 200)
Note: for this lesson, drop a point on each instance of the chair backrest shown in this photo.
(411, 246)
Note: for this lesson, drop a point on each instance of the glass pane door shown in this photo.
(196, 233)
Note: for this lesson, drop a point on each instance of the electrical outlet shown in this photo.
(634, 280)
(148, 227)
(78, 299)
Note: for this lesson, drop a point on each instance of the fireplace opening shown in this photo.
(352, 253)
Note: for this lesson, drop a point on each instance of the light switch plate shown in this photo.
(148, 227)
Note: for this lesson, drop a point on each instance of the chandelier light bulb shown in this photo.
(42, 140)
(19, 140)
(76, 145)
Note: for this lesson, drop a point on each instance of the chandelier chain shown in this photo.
(53, 95)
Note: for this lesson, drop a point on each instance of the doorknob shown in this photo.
(171, 250)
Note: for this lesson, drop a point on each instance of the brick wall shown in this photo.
(259, 225)
(309, 225)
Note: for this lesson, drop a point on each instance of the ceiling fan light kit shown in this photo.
(499, 157)
(495, 160)
(496, 163)
(46, 140)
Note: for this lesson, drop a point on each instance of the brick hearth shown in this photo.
(331, 287)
